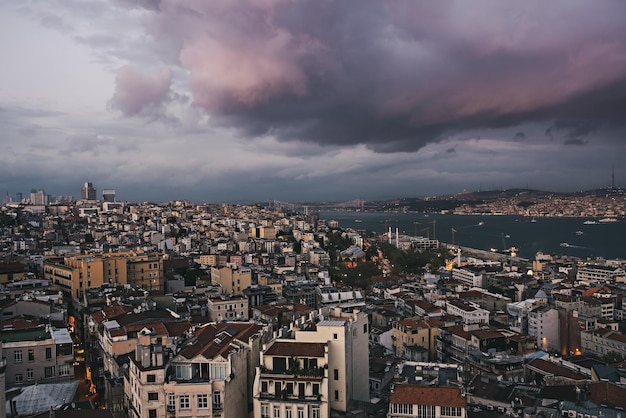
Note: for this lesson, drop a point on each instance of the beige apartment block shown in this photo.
(80, 272)
(233, 280)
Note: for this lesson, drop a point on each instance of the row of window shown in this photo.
(19, 358)
(289, 388)
(277, 412)
(424, 411)
(184, 401)
(64, 370)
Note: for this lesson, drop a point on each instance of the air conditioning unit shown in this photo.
(571, 414)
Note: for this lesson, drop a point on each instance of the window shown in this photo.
(316, 389)
(217, 400)
(315, 412)
(17, 356)
(151, 378)
(450, 411)
(276, 411)
(336, 374)
(183, 402)
(300, 412)
(48, 371)
(334, 336)
(264, 386)
(31, 354)
(336, 395)
(19, 378)
(203, 401)
(29, 374)
(48, 353)
(153, 396)
(152, 413)
(171, 402)
(289, 388)
(64, 369)
(364, 328)
(265, 410)
(288, 412)
(301, 392)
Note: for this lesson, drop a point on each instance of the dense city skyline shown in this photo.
(276, 99)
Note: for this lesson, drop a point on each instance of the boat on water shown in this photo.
(607, 220)
(565, 244)
(589, 223)
(358, 221)
(579, 232)
(526, 220)
(481, 223)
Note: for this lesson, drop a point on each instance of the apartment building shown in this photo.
(471, 313)
(602, 274)
(408, 400)
(232, 279)
(470, 276)
(292, 380)
(347, 334)
(208, 377)
(602, 341)
(39, 354)
(411, 337)
(78, 273)
(227, 308)
(543, 325)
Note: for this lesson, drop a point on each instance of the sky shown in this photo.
(310, 100)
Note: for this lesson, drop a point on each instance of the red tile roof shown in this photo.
(289, 349)
(428, 395)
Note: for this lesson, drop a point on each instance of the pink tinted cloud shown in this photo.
(136, 92)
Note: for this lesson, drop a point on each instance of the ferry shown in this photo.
(481, 223)
(589, 223)
(565, 244)
(579, 232)
(606, 220)
(358, 221)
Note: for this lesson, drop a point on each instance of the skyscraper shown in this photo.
(88, 192)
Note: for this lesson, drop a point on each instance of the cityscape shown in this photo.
(312, 209)
(183, 309)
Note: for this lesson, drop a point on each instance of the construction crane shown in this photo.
(415, 227)
(434, 222)
(453, 231)
(427, 232)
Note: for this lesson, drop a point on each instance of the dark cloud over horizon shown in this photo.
(396, 75)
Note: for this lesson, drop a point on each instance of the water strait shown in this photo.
(577, 237)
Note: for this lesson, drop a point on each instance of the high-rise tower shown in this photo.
(88, 192)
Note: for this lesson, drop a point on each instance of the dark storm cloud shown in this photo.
(519, 136)
(394, 75)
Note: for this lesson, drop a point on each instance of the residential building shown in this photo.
(227, 308)
(411, 337)
(470, 312)
(209, 377)
(543, 325)
(408, 400)
(77, 273)
(603, 341)
(596, 273)
(292, 380)
(232, 279)
(37, 355)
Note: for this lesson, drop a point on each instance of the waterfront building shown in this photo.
(603, 341)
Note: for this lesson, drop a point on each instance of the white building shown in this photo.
(470, 312)
(543, 324)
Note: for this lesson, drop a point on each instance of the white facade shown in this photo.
(543, 324)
